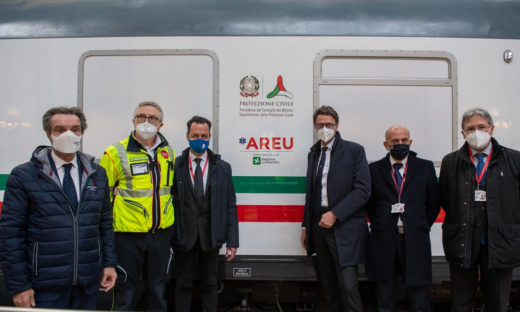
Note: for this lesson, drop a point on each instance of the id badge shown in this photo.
(139, 168)
(480, 195)
(398, 208)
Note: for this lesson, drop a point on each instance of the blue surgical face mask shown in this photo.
(199, 145)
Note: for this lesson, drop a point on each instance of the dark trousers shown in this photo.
(495, 283)
(418, 296)
(75, 297)
(142, 257)
(186, 269)
(339, 285)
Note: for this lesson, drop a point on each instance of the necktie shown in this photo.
(398, 176)
(319, 175)
(198, 183)
(69, 188)
(480, 166)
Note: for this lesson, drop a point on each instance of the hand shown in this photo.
(303, 239)
(109, 278)
(230, 253)
(327, 220)
(24, 299)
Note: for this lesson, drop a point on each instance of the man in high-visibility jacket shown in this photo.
(140, 175)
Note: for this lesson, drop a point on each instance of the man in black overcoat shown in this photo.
(403, 206)
(334, 222)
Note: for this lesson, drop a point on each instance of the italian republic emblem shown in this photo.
(249, 86)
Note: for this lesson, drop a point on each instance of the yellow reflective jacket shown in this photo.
(140, 185)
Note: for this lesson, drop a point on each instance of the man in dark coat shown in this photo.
(205, 217)
(56, 236)
(403, 206)
(334, 221)
(479, 186)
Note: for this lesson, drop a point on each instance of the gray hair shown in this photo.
(46, 119)
(153, 104)
(476, 112)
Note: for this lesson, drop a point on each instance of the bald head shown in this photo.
(397, 134)
(396, 129)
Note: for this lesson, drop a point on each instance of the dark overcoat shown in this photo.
(348, 189)
(420, 195)
(461, 231)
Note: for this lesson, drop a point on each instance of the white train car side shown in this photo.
(258, 72)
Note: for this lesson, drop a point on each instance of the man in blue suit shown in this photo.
(334, 222)
(402, 208)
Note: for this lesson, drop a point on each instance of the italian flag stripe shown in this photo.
(258, 185)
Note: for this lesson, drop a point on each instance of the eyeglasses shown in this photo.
(327, 125)
(143, 118)
(470, 129)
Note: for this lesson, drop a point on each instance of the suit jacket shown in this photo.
(348, 189)
(224, 217)
(420, 195)
(196, 214)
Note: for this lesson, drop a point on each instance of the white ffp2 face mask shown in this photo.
(478, 139)
(67, 142)
(146, 130)
(325, 134)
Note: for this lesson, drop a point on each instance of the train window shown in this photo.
(112, 83)
(372, 90)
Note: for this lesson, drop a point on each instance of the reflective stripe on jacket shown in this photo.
(140, 185)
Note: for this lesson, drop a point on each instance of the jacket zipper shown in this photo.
(76, 247)
(75, 223)
(156, 210)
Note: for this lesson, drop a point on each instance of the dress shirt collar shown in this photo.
(60, 162)
(485, 151)
(203, 157)
(329, 145)
(393, 161)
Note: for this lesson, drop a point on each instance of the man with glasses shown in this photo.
(479, 187)
(140, 176)
(335, 219)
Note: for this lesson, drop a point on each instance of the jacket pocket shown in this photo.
(99, 252)
(453, 241)
(35, 259)
(507, 245)
(137, 205)
(168, 204)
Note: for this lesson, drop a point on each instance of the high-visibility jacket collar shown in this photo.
(135, 146)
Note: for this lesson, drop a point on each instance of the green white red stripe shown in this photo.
(282, 198)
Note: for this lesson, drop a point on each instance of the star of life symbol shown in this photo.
(280, 90)
(242, 141)
(249, 86)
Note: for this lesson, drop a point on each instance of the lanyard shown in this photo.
(203, 170)
(484, 169)
(400, 188)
